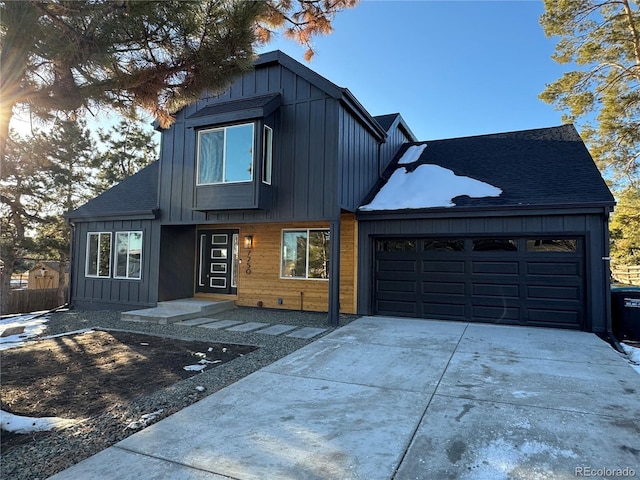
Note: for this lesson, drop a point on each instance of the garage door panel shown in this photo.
(501, 268)
(553, 292)
(397, 308)
(553, 269)
(397, 286)
(442, 298)
(397, 265)
(430, 266)
(443, 311)
(482, 312)
(443, 287)
(554, 317)
(496, 290)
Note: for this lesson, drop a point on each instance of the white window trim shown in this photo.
(267, 154)
(115, 256)
(86, 265)
(307, 230)
(224, 153)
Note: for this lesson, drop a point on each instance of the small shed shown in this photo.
(45, 275)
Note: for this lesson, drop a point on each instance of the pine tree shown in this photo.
(602, 92)
(127, 148)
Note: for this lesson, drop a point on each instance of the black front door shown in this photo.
(217, 270)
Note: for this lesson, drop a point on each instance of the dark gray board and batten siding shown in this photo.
(590, 225)
(110, 293)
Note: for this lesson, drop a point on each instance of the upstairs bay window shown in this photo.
(225, 155)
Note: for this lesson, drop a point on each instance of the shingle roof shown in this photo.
(541, 167)
(134, 196)
(386, 121)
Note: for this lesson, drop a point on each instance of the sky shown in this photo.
(450, 68)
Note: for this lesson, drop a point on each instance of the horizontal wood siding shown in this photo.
(591, 226)
(358, 157)
(91, 293)
(304, 162)
(264, 284)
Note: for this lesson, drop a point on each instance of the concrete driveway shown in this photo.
(390, 398)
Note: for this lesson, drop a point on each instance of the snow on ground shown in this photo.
(633, 353)
(17, 424)
(34, 324)
(425, 187)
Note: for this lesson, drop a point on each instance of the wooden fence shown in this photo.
(33, 300)
(629, 275)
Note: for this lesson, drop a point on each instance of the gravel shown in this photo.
(58, 450)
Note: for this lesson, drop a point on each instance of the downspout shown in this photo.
(606, 274)
(72, 228)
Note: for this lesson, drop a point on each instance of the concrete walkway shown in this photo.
(389, 398)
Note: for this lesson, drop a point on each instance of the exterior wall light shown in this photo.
(248, 242)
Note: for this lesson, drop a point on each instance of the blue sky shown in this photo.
(451, 68)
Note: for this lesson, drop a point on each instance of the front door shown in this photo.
(217, 261)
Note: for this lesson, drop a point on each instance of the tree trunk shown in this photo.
(5, 284)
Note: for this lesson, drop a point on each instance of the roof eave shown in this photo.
(133, 215)
(502, 210)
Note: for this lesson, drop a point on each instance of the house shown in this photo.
(45, 275)
(284, 192)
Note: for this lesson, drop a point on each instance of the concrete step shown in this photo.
(177, 310)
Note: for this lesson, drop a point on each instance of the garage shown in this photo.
(508, 228)
(507, 280)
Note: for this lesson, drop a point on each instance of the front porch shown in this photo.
(178, 310)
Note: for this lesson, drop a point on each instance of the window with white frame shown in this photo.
(305, 254)
(225, 155)
(128, 255)
(98, 262)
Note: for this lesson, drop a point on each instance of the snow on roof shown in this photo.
(412, 154)
(425, 187)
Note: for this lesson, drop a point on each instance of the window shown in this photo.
(267, 155)
(545, 245)
(495, 245)
(305, 254)
(98, 255)
(396, 245)
(225, 155)
(444, 245)
(128, 261)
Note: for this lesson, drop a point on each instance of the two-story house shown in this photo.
(284, 192)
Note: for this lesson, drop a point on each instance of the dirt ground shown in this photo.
(82, 375)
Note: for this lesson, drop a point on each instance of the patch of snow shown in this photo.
(523, 394)
(194, 368)
(412, 154)
(33, 326)
(200, 388)
(19, 424)
(500, 458)
(145, 420)
(633, 354)
(427, 186)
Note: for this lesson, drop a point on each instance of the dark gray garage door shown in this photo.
(526, 281)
